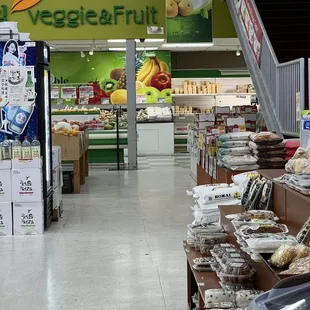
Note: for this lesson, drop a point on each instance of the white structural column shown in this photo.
(131, 104)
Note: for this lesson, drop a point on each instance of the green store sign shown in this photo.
(59, 20)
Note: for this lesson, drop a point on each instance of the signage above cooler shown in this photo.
(80, 20)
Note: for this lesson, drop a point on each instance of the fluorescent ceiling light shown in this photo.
(172, 45)
(117, 41)
(138, 49)
(137, 40)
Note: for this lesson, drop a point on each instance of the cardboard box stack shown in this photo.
(27, 197)
(5, 199)
(249, 113)
(57, 180)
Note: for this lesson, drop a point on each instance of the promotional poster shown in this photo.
(189, 21)
(105, 72)
(18, 115)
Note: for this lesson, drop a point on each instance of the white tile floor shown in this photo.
(118, 246)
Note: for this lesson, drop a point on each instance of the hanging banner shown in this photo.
(252, 28)
(86, 20)
(189, 21)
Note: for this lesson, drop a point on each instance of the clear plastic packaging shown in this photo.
(265, 138)
(212, 239)
(236, 268)
(219, 247)
(203, 261)
(244, 297)
(205, 250)
(263, 229)
(257, 215)
(286, 254)
(219, 298)
(236, 286)
(269, 245)
(205, 228)
(229, 279)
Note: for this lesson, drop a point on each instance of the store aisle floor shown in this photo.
(118, 246)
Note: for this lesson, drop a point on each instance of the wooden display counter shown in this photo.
(291, 207)
(75, 150)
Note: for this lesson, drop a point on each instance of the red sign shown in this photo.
(252, 27)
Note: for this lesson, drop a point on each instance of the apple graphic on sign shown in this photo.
(151, 94)
(167, 94)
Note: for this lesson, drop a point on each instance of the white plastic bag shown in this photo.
(235, 136)
(236, 160)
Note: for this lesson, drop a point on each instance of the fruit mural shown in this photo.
(189, 21)
(106, 72)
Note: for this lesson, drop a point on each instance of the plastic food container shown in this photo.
(236, 287)
(232, 258)
(205, 228)
(212, 239)
(222, 246)
(205, 249)
(237, 268)
(221, 253)
(203, 261)
(219, 298)
(229, 279)
(263, 229)
(244, 297)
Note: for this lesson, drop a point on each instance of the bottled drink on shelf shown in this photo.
(26, 149)
(6, 149)
(35, 148)
(16, 149)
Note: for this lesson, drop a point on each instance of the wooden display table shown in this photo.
(293, 210)
(75, 150)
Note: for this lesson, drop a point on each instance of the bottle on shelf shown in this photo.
(26, 149)
(6, 149)
(35, 148)
(16, 149)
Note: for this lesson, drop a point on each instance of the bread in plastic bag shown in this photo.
(283, 256)
(301, 153)
(298, 166)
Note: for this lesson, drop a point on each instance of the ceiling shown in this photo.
(231, 44)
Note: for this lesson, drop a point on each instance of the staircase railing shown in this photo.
(280, 87)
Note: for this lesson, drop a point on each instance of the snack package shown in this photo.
(266, 138)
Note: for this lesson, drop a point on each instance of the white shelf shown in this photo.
(214, 95)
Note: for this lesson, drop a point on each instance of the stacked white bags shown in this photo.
(234, 153)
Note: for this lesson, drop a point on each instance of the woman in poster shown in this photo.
(10, 54)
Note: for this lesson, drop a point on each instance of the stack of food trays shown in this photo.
(203, 237)
(203, 263)
(225, 299)
(263, 238)
(232, 268)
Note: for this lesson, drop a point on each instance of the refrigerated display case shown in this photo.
(25, 103)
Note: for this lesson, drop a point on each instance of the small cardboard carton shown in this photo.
(5, 186)
(6, 223)
(27, 185)
(28, 218)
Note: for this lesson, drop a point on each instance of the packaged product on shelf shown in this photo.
(240, 162)
(237, 136)
(263, 229)
(234, 151)
(6, 218)
(300, 266)
(219, 194)
(242, 178)
(286, 254)
(203, 261)
(219, 298)
(291, 147)
(300, 162)
(266, 148)
(232, 144)
(269, 243)
(199, 191)
(265, 138)
(235, 121)
(244, 297)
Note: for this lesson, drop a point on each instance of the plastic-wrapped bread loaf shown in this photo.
(283, 256)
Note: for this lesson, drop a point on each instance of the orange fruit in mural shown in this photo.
(22, 5)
